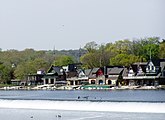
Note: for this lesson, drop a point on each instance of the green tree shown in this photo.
(103, 55)
(5, 74)
(151, 51)
(30, 67)
(96, 56)
(123, 47)
(124, 59)
(144, 47)
(91, 46)
(90, 60)
(63, 60)
(162, 50)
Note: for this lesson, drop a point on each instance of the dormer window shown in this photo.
(140, 71)
(131, 73)
(150, 67)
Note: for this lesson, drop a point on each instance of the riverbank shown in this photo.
(82, 87)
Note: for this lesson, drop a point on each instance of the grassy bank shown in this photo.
(6, 85)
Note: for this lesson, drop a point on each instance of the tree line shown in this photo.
(16, 64)
(123, 52)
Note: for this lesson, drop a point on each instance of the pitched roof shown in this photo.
(87, 72)
(81, 72)
(157, 62)
(56, 69)
(135, 67)
(94, 70)
(162, 65)
(71, 74)
(140, 63)
(125, 72)
(115, 70)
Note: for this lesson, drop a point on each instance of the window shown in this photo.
(52, 81)
(46, 81)
(148, 67)
(92, 81)
(109, 82)
(100, 82)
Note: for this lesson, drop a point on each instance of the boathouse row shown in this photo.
(151, 73)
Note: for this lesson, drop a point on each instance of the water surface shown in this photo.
(82, 105)
(107, 95)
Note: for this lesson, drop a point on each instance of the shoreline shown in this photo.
(90, 87)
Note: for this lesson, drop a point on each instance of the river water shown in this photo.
(82, 105)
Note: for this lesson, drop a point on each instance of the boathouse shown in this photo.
(114, 75)
(97, 76)
(151, 73)
(55, 75)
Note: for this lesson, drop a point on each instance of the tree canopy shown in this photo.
(123, 52)
(63, 60)
(16, 64)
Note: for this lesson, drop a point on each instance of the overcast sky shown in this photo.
(70, 24)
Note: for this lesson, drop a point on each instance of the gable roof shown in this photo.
(65, 68)
(71, 74)
(80, 71)
(87, 72)
(156, 62)
(135, 67)
(140, 63)
(94, 70)
(55, 69)
(93, 73)
(125, 72)
(162, 65)
(114, 71)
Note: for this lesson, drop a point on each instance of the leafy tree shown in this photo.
(162, 50)
(30, 67)
(91, 46)
(123, 46)
(143, 47)
(97, 56)
(63, 60)
(110, 50)
(151, 50)
(122, 52)
(91, 60)
(124, 59)
(104, 56)
(40, 63)
(119, 47)
(5, 74)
